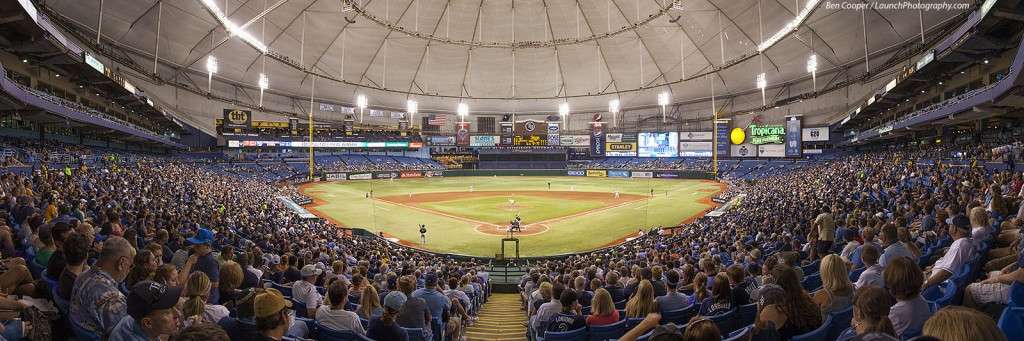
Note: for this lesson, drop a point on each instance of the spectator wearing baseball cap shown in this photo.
(151, 313)
(304, 290)
(958, 254)
(243, 325)
(385, 327)
(202, 260)
(270, 311)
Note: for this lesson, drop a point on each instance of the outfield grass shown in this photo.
(674, 201)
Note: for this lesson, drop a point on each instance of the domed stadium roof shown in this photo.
(509, 55)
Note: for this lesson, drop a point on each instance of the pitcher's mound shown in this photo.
(527, 230)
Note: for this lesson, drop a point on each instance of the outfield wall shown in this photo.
(599, 173)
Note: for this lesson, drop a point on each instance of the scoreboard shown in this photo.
(530, 133)
(532, 140)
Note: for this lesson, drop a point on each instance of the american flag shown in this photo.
(437, 120)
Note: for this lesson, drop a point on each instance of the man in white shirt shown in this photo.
(958, 254)
(851, 245)
(873, 273)
(304, 290)
(335, 317)
(547, 310)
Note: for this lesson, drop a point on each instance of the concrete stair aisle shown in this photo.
(500, 319)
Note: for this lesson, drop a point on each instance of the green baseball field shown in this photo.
(470, 215)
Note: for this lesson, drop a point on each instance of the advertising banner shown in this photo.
(793, 135)
(636, 174)
(617, 137)
(722, 138)
(658, 144)
(412, 174)
(618, 173)
(696, 135)
(620, 149)
(506, 134)
(666, 175)
(695, 149)
(597, 173)
(237, 118)
(553, 134)
(772, 150)
(483, 141)
(433, 173)
(815, 134)
(442, 140)
(360, 176)
(575, 140)
(596, 140)
(336, 176)
(576, 172)
(386, 175)
(462, 134)
(743, 150)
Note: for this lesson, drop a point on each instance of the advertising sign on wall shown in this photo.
(442, 140)
(722, 137)
(597, 173)
(433, 173)
(336, 176)
(616, 137)
(696, 135)
(360, 176)
(576, 173)
(618, 174)
(771, 150)
(386, 175)
(597, 140)
(743, 150)
(667, 175)
(553, 134)
(636, 174)
(695, 149)
(412, 174)
(815, 134)
(462, 134)
(575, 140)
(620, 149)
(768, 133)
(483, 141)
(236, 118)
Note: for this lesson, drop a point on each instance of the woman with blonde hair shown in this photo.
(602, 309)
(837, 292)
(369, 306)
(700, 287)
(980, 229)
(903, 234)
(956, 323)
(193, 300)
(642, 303)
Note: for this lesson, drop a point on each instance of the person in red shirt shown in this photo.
(602, 309)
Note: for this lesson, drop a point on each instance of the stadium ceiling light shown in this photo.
(463, 110)
(361, 103)
(563, 108)
(411, 107)
(264, 83)
(761, 84)
(211, 68)
(812, 68)
(663, 99)
(613, 107)
(790, 27)
(232, 28)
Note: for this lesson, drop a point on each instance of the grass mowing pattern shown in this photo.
(674, 201)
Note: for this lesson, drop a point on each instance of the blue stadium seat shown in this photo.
(679, 317)
(585, 311)
(942, 294)
(820, 334)
(620, 304)
(572, 335)
(1016, 294)
(415, 334)
(327, 334)
(300, 309)
(811, 268)
(811, 283)
(724, 321)
(739, 335)
(855, 274)
(1012, 321)
(746, 314)
(840, 321)
(285, 290)
(610, 331)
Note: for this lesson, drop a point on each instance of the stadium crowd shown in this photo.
(157, 246)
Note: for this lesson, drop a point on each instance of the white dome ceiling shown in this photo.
(586, 51)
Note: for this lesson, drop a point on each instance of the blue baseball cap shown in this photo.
(203, 236)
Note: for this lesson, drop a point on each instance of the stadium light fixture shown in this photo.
(613, 107)
(463, 110)
(211, 68)
(761, 84)
(411, 107)
(663, 99)
(563, 109)
(790, 27)
(361, 103)
(233, 28)
(264, 83)
(812, 68)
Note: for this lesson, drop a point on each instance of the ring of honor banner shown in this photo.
(722, 138)
(793, 136)
(596, 139)
(462, 134)
(237, 118)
